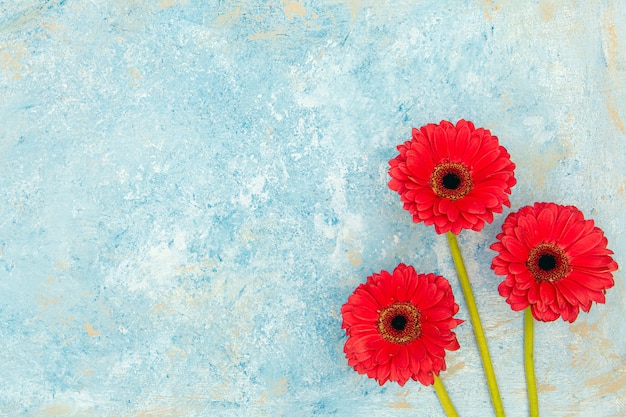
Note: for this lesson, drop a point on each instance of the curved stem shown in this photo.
(529, 363)
(444, 399)
(476, 324)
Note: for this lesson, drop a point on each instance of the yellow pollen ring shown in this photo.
(558, 271)
(454, 169)
(412, 328)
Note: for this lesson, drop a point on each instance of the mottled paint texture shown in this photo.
(191, 190)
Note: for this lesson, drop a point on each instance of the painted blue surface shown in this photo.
(191, 190)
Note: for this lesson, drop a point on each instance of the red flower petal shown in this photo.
(436, 314)
(488, 164)
(515, 248)
(585, 243)
(418, 352)
(583, 273)
(375, 352)
(547, 293)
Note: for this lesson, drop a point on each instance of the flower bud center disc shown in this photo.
(547, 262)
(451, 180)
(400, 323)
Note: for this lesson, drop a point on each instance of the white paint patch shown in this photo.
(154, 272)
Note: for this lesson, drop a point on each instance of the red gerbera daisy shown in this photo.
(399, 324)
(554, 261)
(452, 177)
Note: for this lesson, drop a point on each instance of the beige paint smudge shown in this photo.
(354, 6)
(506, 101)
(354, 256)
(163, 412)
(230, 18)
(546, 163)
(402, 403)
(174, 353)
(57, 410)
(136, 76)
(610, 104)
(611, 43)
(610, 382)
(277, 389)
(489, 7)
(61, 265)
(47, 302)
(162, 308)
(611, 52)
(545, 388)
(547, 10)
(90, 330)
(294, 8)
(583, 329)
(455, 368)
(12, 59)
(280, 387)
(164, 4)
(601, 345)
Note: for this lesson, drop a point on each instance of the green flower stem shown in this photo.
(476, 324)
(444, 399)
(529, 363)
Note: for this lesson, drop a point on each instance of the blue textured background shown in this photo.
(192, 189)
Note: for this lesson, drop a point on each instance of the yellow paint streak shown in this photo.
(611, 52)
(91, 331)
(609, 382)
(230, 18)
(614, 114)
(612, 45)
(294, 8)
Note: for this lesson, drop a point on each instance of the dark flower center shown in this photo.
(548, 262)
(400, 323)
(451, 180)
